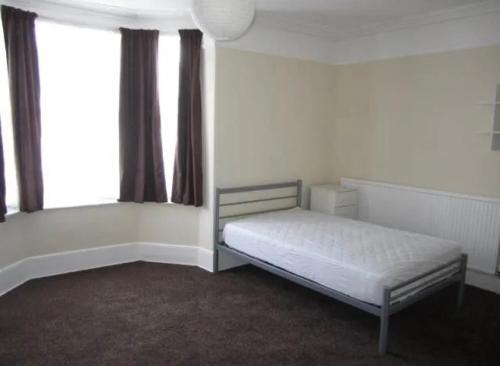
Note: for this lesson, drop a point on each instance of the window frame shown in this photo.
(170, 131)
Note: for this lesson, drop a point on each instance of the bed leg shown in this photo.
(461, 284)
(384, 323)
(384, 329)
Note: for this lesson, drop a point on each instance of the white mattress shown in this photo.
(353, 257)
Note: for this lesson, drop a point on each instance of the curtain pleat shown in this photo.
(142, 175)
(24, 81)
(188, 170)
(3, 207)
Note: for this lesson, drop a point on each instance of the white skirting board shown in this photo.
(484, 281)
(40, 266)
(79, 260)
(72, 261)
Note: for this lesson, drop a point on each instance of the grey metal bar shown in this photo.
(370, 308)
(258, 200)
(425, 274)
(384, 322)
(299, 193)
(461, 285)
(262, 187)
(423, 294)
(442, 276)
(255, 213)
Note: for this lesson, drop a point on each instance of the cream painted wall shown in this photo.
(284, 111)
(57, 230)
(273, 119)
(168, 224)
(208, 79)
(50, 231)
(270, 118)
(412, 121)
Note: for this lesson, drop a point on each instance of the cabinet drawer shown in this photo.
(350, 212)
(334, 200)
(322, 203)
(346, 198)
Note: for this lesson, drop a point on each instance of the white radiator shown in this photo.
(472, 221)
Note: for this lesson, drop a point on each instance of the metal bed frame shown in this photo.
(395, 298)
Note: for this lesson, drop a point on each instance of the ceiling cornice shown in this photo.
(122, 10)
(434, 17)
(333, 34)
(112, 16)
(458, 28)
(102, 16)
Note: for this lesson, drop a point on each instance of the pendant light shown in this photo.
(223, 20)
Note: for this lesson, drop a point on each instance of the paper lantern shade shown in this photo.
(223, 20)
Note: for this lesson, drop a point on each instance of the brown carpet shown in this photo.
(155, 314)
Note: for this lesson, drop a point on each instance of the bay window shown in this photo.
(80, 81)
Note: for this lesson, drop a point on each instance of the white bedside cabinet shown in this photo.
(333, 199)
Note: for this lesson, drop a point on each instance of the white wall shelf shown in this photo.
(488, 132)
(495, 129)
(488, 103)
(495, 136)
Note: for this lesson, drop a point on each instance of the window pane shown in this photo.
(79, 75)
(12, 199)
(168, 59)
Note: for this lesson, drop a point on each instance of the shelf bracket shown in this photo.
(495, 137)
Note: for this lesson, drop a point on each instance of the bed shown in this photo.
(374, 268)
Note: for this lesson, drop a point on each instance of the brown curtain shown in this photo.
(188, 170)
(141, 156)
(24, 80)
(3, 208)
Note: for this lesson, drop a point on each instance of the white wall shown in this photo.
(413, 121)
(205, 230)
(50, 231)
(168, 223)
(273, 119)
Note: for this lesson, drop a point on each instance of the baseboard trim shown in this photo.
(30, 268)
(484, 281)
(206, 259)
(13, 276)
(168, 253)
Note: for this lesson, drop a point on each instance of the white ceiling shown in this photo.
(329, 19)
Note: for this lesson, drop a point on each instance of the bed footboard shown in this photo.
(398, 297)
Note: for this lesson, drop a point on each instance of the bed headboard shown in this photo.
(238, 202)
